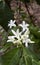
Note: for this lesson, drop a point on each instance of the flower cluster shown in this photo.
(19, 37)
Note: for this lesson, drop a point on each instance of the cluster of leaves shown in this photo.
(19, 56)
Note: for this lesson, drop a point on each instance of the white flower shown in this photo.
(11, 39)
(15, 38)
(24, 26)
(26, 34)
(26, 40)
(17, 33)
(12, 23)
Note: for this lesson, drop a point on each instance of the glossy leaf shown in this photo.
(11, 57)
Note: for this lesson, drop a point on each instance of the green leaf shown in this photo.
(22, 61)
(5, 47)
(39, 62)
(34, 30)
(34, 62)
(28, 52)
(28, 59)
(11, 57)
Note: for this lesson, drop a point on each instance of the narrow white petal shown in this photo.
(31, 41)
(26, 44)
(9, 41)
(13, 32)
(8, 24)
(11, 37)
(27, 25)
(23, 22)
(17, 31)
(14, 25)
(14, 21)
(20, 25)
